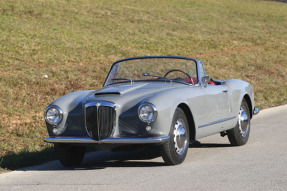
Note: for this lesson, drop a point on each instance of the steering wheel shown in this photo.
(177, 70)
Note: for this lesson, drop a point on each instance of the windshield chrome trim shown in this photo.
(147, 57)
(150, 80)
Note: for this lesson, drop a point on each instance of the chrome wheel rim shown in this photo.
(243, 122)
(180, 138)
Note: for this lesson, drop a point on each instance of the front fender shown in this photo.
(166, 106)
(237, 90)
(72, 107)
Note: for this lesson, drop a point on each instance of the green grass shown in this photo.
(74, 42)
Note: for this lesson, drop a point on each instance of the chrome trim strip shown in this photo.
(107, 140)
(256, 111)
(100, 103)
(215, 122)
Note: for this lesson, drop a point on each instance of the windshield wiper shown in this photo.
(114, 79)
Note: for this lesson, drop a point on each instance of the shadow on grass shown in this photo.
(282, 1)
(15, 161)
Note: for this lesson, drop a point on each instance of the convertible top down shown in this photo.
(154, 101)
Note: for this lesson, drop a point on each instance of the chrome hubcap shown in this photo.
(179, 137)
(243, 122)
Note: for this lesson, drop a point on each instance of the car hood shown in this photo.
(128, 95)
(120, 90)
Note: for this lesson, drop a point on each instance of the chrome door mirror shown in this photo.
(205, 79)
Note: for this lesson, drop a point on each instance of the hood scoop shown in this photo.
(119, 90)
(107, 93)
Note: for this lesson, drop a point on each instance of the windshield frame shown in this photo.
(150, 57)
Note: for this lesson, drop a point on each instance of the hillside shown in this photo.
(74, 42)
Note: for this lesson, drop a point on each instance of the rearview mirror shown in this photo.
(205, 79)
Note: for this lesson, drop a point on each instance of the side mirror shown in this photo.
(205, 79)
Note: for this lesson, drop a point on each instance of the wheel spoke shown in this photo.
(179, 137)
(243, 122)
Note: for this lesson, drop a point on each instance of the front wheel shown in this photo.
(175, 149)
(69, 155)
(240, 133)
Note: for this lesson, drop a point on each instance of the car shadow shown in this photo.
(97, 160)
(211, 145)
(197, 144)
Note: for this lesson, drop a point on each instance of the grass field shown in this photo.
(74, 42)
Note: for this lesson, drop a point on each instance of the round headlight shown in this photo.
(53, 115)
(147, 112)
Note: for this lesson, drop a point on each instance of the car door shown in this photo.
(218, 105)
(217, 100)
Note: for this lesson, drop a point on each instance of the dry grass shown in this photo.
(74, 42)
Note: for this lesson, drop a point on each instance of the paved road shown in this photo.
(213, 165)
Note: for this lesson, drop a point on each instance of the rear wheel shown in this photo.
(175, 149)
(240, 133)
(70, 155)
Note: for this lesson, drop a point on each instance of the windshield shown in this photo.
(153, 69)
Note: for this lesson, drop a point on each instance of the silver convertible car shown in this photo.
(155, 101)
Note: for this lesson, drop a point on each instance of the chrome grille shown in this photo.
(100, 119)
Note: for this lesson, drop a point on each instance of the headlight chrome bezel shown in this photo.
(60, 115)
(154, 112)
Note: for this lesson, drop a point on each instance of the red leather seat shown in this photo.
(211, 82)
(187, 80)
(193, 79)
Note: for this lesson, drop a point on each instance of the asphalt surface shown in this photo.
(213, 165)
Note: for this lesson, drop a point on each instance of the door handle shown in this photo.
(225, 91)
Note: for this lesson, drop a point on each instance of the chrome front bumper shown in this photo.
(108, 140)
